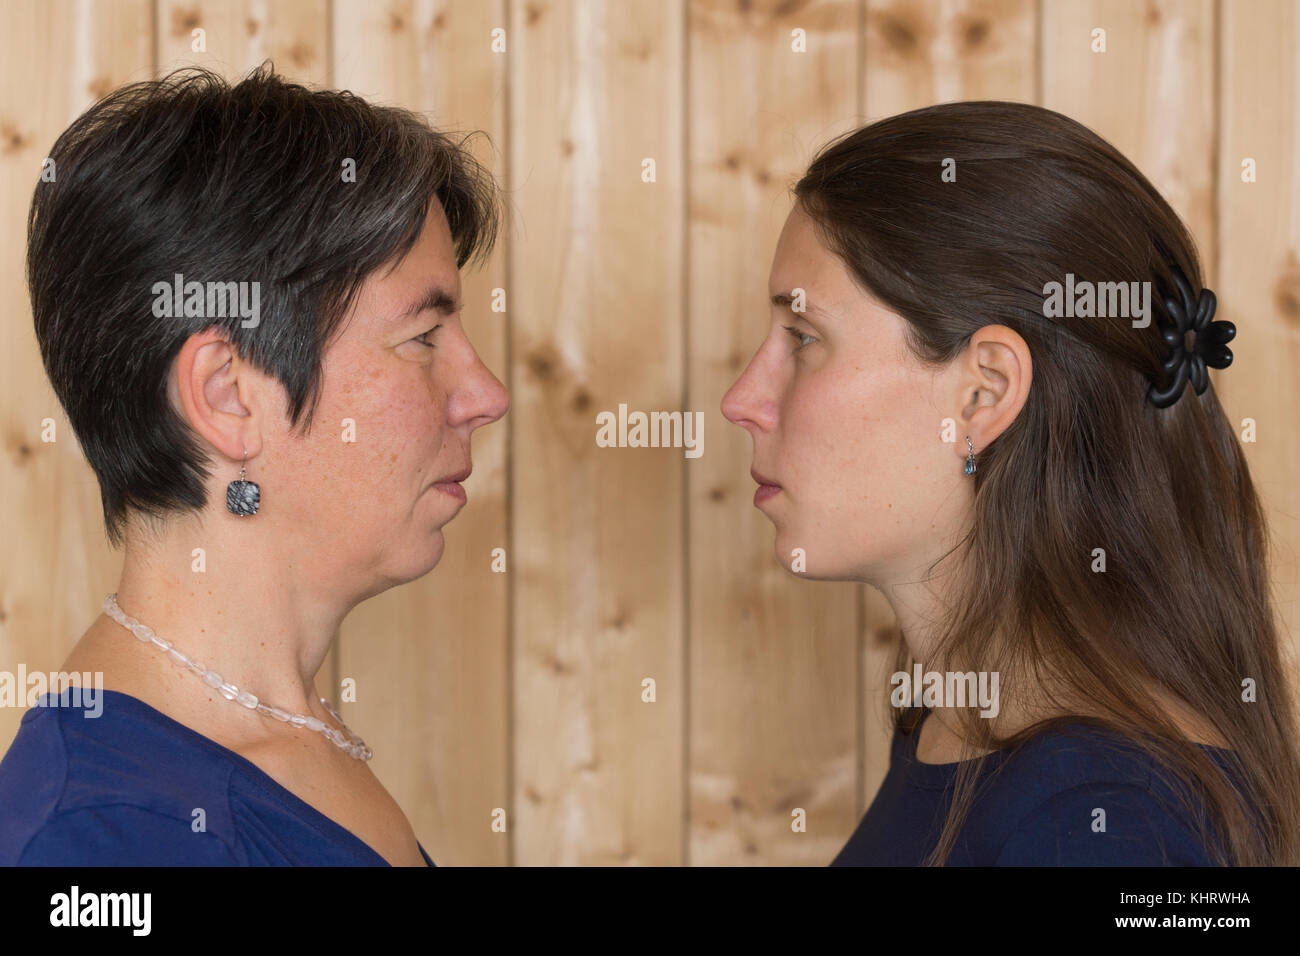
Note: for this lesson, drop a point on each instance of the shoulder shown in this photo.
(1083, 796)
(1102, 824)
(105, 783)
(122, 834)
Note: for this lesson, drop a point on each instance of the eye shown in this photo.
(420, 338)
(800, 336)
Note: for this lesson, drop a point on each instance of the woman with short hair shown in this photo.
(214, 270)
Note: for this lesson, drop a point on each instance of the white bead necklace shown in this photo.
(354, 745)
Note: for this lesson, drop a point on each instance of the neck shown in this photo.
(921, 593)
(251, 614)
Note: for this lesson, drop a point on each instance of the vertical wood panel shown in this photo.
(922, 52)
(240, 34)
(773, 712)
(596, 292)
(1259, 269)
(1151, 93)
(430, 658)
(56, 59)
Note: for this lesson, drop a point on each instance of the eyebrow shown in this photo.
(436, 298)
(781, 300)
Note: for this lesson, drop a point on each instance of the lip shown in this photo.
(451, 485)
(453, 489)
(767, 488)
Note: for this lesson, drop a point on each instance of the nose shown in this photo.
(481, 398)
(750, 403)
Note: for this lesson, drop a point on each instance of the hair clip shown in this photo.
(1191, 313)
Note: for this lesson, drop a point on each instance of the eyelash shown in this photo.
(420, 337)
(799, 336)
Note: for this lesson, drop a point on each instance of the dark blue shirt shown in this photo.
(1035, 806)
(122, 788)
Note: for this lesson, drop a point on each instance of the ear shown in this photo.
(218, 394)
(995, 374)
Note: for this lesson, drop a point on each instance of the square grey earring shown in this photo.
(243, 497)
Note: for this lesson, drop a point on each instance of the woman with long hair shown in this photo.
(985, 393)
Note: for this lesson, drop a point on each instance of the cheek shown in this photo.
(852, 441)
(378, 425)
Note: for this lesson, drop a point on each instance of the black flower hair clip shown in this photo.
(1192, 314)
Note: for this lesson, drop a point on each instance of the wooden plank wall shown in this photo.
(524, 691)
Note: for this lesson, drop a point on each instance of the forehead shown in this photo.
(803, 261)
(430, 264)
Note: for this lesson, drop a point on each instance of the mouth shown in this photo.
(451, 487)
(767, 488)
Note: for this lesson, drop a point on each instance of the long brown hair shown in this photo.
(1182, 611)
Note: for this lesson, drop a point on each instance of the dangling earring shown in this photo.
(970, 457)
(243, 497)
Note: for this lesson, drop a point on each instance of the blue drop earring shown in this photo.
(243, 497)
(970, 457)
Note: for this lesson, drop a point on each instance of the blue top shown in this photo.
(1035, 806)
(121, 789)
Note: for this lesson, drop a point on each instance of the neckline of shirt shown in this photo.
(941, 776)
(250, 769)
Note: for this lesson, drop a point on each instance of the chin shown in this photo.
(813, 562)
(417, 560)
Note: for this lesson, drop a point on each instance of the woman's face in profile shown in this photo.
(846, 422)
(374, 506)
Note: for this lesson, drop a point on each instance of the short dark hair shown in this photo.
(190, 175)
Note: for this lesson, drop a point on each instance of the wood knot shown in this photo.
(301, 54)
(184, 20)
(11, 138)
(975, 33)
(99, 87)
(898, 34)
(542, 363)
(1286, 294)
